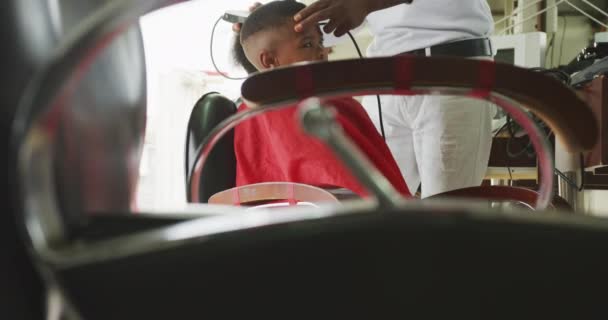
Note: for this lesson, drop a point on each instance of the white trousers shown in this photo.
(442, 142)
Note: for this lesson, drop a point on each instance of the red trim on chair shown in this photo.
(292, 195)
(304, 82)
(486, 81)
(404, 73)
(236, 197)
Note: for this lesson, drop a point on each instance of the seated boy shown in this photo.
(272, 147)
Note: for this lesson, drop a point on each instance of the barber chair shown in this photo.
(29, 38)
(85, 127)
(33, 32)
(360, 260)
(217, 179)
(209, 111)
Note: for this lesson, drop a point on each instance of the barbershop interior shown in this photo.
(304, 159)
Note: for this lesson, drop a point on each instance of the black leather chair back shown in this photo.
(219, 173)
(101, 137)
(100, 126)
(29, 36)
(366, 265)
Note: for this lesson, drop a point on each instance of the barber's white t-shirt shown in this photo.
(425, 23)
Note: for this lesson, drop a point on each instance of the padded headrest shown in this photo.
(553, 102)
(220, 172)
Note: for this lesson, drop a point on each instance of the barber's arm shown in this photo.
(343, 15)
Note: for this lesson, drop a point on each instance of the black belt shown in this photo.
(463, 48)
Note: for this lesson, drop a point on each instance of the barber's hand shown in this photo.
(343, 15)
(237, 26)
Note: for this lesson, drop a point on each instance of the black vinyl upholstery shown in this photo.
(105, 125)
(368, 265)
(28, 37)
(219, 172)
(103, 132)
(110, 94)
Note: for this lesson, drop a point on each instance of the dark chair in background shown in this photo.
(29, 36)
(85, 123)
(220, 174)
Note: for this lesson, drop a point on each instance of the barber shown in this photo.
(441, 142)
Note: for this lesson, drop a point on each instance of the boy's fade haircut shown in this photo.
(271, 15)
(238, 53)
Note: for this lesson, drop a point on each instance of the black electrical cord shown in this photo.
(550, 47)
(211, 53)
(581, 159)
(561, 45)
(356, 44)
(569, 181)
(562, 76)
(377, 96)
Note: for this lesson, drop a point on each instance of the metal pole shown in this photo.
(320, 122)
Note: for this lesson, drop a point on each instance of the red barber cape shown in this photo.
(273, 147)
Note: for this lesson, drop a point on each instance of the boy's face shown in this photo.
(283, 46)
(293, 47)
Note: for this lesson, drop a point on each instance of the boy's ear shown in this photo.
(268, 59)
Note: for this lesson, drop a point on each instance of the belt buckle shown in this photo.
(427, 51)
